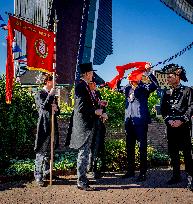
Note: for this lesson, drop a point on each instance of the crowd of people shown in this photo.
(87, 125)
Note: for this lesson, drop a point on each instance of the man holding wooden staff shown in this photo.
(46, 103)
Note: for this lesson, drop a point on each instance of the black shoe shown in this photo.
(40, 182)
(174, 180)
(141, 177)
(190, 183)
(128, 175)
(85, 187)
(190, 186)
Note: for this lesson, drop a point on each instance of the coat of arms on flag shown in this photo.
(41, 48)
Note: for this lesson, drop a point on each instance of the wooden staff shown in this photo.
(53, 112)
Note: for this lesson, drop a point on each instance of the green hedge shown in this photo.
(17, 124)
(115, 158)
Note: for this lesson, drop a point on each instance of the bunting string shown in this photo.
(178, 54)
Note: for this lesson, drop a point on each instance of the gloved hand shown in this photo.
(105, 116)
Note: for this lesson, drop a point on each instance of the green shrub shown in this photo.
(65, 108)
(115, 159)
(116, 156)
(20, 167)
(115, 108)
(17, 123)
(153, 100)
(66, 161)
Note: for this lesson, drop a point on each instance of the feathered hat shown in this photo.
(175, 69)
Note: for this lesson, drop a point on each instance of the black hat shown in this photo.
(86, 67)
(175, 69)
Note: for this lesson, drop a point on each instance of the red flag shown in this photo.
(40, 45)
(40, 50)
(121, 71)
(136, 75)
(9, 64)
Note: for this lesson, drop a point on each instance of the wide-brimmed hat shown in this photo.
(175, 69)
(86, 67)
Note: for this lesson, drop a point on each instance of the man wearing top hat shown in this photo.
(177, 109)
(83, 124)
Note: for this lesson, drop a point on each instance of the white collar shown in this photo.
(46, 89)
(85, 81)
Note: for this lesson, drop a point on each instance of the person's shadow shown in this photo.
(8, 183)
(156, 178)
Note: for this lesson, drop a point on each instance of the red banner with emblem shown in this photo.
(39, 47)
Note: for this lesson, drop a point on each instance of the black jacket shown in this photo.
(44, 105)
(84, 116)
(177, 104)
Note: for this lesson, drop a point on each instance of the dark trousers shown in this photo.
(179, 139)
(82, 162)
(42, 167)
(136, 133)
(98, 146)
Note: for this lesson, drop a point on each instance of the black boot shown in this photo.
(190, 183)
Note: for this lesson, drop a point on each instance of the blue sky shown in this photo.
(142, 31)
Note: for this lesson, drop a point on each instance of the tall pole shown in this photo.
(52, 120)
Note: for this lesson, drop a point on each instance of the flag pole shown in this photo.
(52, 119)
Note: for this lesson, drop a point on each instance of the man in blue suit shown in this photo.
(137, 118)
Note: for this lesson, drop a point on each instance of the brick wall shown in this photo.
(156, 134)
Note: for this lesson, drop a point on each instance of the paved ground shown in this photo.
(111, 190)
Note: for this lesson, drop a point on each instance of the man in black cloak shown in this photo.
(46, 102)
(83, 124)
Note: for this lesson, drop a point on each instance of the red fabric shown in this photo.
(40, 45)
(39, 50)
(9, 64)
(135, 75)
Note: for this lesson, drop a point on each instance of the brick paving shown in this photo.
(111, 190)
